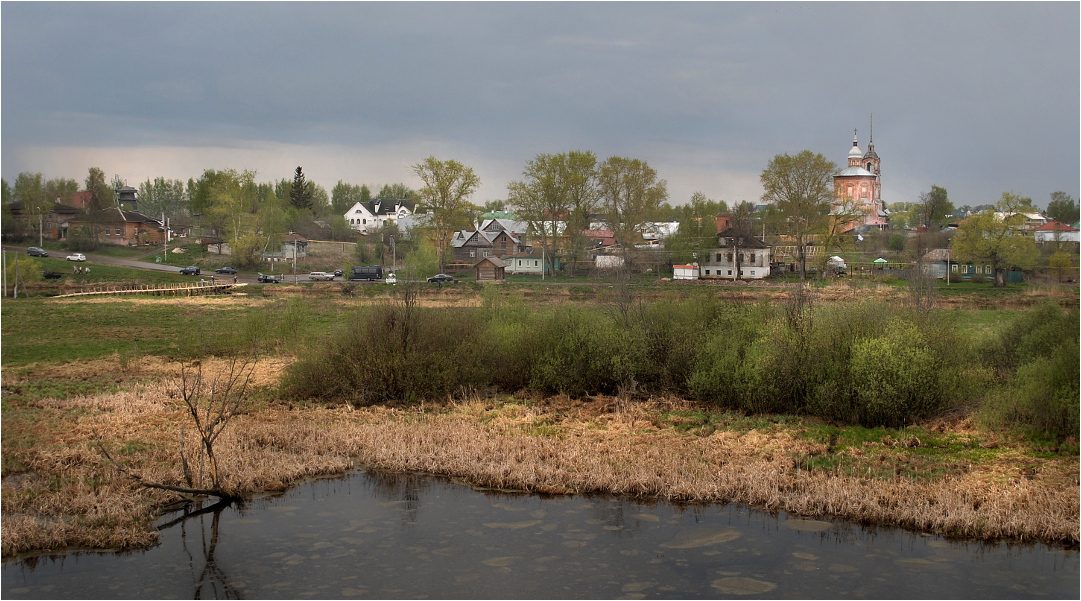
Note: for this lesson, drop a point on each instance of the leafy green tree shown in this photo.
(61, 189)
(495, 206)
(14, 230)
(397, 192)
(934, 207)
(630, 194)
(5, 191)
(340, 230)
(422, 260)
(274, 220)
(801, 187)
(1061, 264)
(555, 186)
(697, 229)
(231, 204)
(163, 197)
(447, 186)
(320, 199)
(1063, 208)
(998, 237)
(102, 194)
(30, 192)
(300, 196)
(343, 196)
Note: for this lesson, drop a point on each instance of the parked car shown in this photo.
(367, 272)
(315, 276)
(189, 270)
(440, 278)
(268, 279)
(391, 279)
(338, 273)
(228, 270)
(34, 251)
(77, 257)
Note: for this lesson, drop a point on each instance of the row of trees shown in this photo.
(559, 192)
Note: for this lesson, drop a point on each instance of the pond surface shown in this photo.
(385, 535)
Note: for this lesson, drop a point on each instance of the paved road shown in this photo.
(91, 259)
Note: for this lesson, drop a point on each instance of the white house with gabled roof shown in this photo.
(368, 217)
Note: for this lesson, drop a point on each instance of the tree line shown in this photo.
(559, 195)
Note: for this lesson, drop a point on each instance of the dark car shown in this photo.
(34, 251)
(440, 278)
(268, 279)
(338, 273)
(367, 272)
(228, 270)
(189, 270)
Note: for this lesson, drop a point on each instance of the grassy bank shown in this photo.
(75, 372)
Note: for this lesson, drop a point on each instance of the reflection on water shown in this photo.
(386, 535)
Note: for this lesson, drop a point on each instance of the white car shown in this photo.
(77, 257)
(320, 275)
(391, 279)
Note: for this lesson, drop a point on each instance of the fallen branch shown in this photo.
(213, 492)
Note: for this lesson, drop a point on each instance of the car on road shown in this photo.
(77, 257)
(441, 278)
(367, 272)
(229, 270)
(338, 272)
(265, 278)
(391, 279)
(316, 276)
(189, 270)
(34, 251)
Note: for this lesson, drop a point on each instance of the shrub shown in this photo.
(392, 353)
(1036, 360)
(893, 376)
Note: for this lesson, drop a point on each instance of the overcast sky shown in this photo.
(977, 98)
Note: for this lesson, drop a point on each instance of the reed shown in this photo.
(70, 497)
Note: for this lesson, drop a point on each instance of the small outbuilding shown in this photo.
(490, 269)
(685, 272)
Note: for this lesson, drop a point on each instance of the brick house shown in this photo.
(117, 226)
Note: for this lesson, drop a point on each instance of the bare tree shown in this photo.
(211, 403)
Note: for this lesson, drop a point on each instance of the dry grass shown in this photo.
(70, 497)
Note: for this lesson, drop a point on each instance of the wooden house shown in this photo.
(490, 269)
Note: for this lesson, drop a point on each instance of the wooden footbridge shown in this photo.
(196, 289)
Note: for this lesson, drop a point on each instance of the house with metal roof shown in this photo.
(368, 217)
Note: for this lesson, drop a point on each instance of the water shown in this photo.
(384, 535)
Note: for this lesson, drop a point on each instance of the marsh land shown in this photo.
(844, 400)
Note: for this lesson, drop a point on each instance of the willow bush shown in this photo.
(1036, 361)
(869, 363)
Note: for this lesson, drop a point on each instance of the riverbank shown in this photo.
(944, 477)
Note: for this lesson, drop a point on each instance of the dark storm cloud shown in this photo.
(980, 98)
